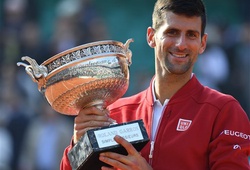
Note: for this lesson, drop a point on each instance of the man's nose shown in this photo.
(181, 42)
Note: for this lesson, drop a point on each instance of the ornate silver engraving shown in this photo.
(82, 53)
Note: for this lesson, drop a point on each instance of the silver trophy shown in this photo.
(93, 74)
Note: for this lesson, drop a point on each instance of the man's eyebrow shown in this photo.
(194, 31)
(172, 28)
(177, 29)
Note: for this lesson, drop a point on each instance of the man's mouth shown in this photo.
(179, 55)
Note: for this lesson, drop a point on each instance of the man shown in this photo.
(190, 126)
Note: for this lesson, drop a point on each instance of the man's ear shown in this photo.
(203, 44)
(150, 37)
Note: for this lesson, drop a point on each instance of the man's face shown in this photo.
(177, 43)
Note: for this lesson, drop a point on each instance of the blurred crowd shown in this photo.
(32, 135)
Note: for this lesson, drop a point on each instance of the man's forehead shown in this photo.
(181, 21)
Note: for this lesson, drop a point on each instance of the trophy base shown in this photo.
(85, 154)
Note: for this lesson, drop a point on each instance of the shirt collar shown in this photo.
(157, 101)
(153, 90)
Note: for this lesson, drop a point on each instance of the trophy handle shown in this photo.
(35, 71)
(128, 51)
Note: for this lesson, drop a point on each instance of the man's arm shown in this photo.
(65, 164)
(88, 118)
(230, 142)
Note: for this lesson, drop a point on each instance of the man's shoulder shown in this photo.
(215, 97)
(133, 100)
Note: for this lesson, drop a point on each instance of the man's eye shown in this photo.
(192, 35)
(172, 33)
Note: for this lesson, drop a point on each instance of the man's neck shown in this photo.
(166, 87)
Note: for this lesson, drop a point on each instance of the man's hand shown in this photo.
(89, 118)
(132, 161)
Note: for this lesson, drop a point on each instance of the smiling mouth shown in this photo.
(179, 55)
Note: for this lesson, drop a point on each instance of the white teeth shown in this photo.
(179, 56)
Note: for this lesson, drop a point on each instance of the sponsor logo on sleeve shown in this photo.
(236, 134)
(236, 147)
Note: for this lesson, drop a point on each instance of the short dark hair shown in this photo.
(182, 7)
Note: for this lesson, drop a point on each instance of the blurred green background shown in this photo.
(43, 28)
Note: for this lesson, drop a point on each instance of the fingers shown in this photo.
(128, 146)
(124, 162)
(132, 161)
(92, 117)
(93, 110)
(113, 159)
(79, 133)
(118, 160)
(89, 118)
(107, 168)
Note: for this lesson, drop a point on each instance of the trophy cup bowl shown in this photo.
(93, 74)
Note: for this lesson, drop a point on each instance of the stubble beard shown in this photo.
(175, 68)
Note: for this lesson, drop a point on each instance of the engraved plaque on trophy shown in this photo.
(85, 154)
(93, 74)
